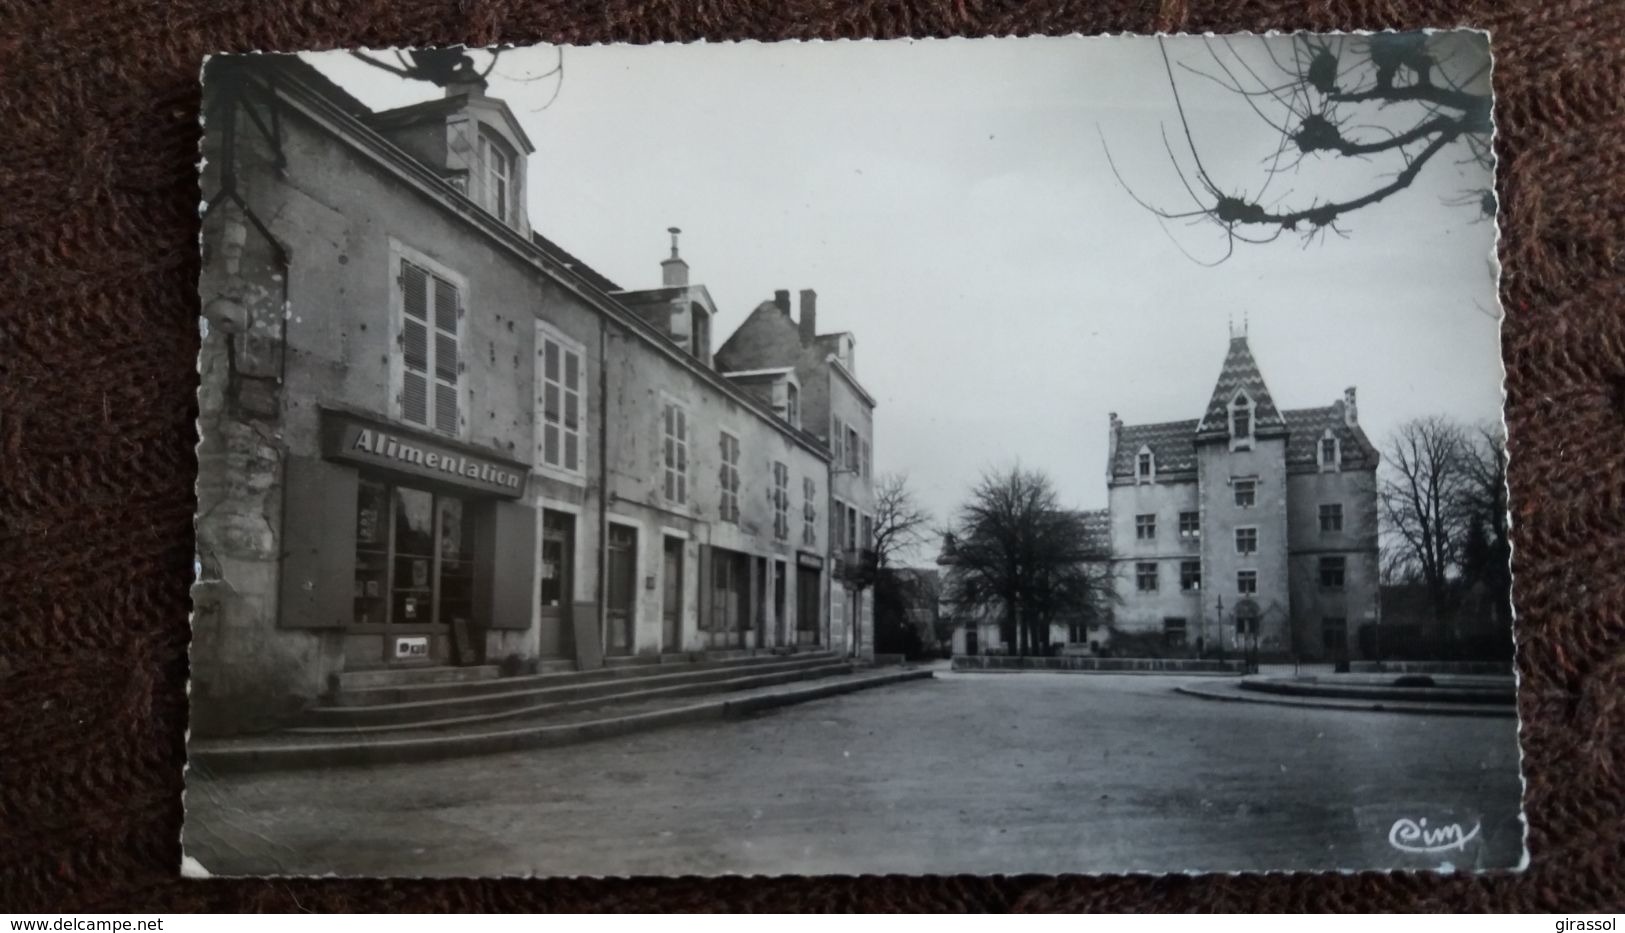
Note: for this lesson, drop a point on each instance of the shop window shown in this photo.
(430, 370)
(414, 557)
(563, 402)
(675, 453)
(728, 477)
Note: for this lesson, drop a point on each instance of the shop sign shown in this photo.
(408, 648)
(810, 561)
(392, 448)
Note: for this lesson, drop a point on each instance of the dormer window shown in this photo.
(1330, 452)
(1145, 466)
(1241, 421)
(792, 405)
(496, 166)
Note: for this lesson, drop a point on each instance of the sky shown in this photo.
(952, 203)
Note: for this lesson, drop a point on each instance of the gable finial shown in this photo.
(1246, 320)
(1230, 323)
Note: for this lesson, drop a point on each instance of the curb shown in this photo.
(1351, 706)
(278, 757)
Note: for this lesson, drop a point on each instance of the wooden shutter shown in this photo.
(446, 362)
(414, 343)
(505, 565)
(318, 544)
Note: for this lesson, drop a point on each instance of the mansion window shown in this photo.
(497, 168)
(781, 501)
(1145, 527)
(809, 511)
(1331, 517)
(1329, 453)
(563, 402)
(1246, 493)
(1190, 576)
(1190, 525)
(1332, 572)
(1173, 633)
(1241, 420)
(1145, 576)
(414, 557)
(1246, 540)
(728, 477)
(430, 313)
(1145, 467)
(1247, 582)
(675, 453)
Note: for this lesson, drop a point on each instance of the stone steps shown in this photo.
(532, 701)
(292, 750)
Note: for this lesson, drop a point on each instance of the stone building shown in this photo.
(811, 379)
(430, 435)
(1248, 523)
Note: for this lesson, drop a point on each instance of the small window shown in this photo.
(1332, 572)
(1331, 517)
(1241, 418)
(866, 461)
(1247, 582)
(851, 528)
(1173, 633)
(562, 403)
(1246, 540)
(1246, 493)
(1329, 452)
(498, 168)
(809, 511)
(792, 404)
(1190, 576)
(1145, 576)
(867, 541)
(429, 349)
(1145, 527)
(854, 453)
(837, 442)
(674, 453)
(781, 501)
(1190, 525)
(1145, 468)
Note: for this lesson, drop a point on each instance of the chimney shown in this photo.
(1111, 444)
(674, 271)
(781, 298)
(1351, 415)
(809, 315)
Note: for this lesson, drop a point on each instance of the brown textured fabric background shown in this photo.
(98, 333)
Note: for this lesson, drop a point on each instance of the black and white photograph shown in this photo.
(1037, 455)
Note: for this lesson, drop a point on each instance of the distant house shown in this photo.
(1250, 522)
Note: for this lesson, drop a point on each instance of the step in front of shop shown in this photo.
(545, 699)
(294, 751)
(424, 692)
(401, 676)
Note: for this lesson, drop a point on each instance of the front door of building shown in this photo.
(557, 636)
(970, 639)
(730, 599)
(808, 606)
(622, 589)
(671, 604)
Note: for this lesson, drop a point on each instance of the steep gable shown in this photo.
(767, 338)
(1240, 373)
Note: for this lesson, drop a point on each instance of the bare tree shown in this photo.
(1394, 101)
(1486, 551)
(900, 523)
(455, 65)
(1421, 502)
(1015, 551)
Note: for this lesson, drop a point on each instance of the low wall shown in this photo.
(1430, 667)
(984, 662)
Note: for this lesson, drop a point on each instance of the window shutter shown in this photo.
(414, 344)
(838, 442)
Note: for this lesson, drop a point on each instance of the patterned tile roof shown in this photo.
(1307, 425)
(1240, 371)
(1172, 443)
(1097, 530)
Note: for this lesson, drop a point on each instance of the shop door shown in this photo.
(671, 600)
(780, 636)
(557, 636)
(808, 606)
(730, 600)
(622, 574)
(759, 611)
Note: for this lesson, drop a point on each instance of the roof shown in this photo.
(1172, 443)
(1097, 531)
(444, 106)
(563, 257)
(1306, 426)
(1240, 373)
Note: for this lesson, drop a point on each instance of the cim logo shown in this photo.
(1416, 836)
(412, 647)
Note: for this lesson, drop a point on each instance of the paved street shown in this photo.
(982, 773)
